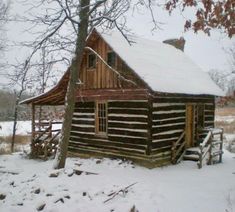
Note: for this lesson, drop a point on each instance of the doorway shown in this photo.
(190, 125)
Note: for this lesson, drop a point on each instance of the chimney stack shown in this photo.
(177, 43)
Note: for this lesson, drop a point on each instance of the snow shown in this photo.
(227, 119)
(177, 188)
(163, 67)
(23, 128)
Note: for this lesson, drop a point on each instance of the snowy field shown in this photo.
(23, 128)
(88, 185)
(27, 185)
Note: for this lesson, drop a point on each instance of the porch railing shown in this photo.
(206, 148)
(45, 139)
(177, 149)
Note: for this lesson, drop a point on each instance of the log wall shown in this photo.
(127, 129)
(141, 129)
(169, 115)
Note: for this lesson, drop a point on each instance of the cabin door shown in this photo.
(189, 125)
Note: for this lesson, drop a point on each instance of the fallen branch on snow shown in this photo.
(115, 193)
(9, 172)
(79, 172)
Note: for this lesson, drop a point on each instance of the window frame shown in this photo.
(115, 59)
(97, 118)
(88, 61)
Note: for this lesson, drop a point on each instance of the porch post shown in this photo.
(33, 131)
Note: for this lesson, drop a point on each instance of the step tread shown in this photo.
(191, 157)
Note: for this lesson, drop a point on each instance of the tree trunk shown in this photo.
(72, 85)
(14, 124)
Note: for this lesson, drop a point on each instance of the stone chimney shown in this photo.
(177, 43)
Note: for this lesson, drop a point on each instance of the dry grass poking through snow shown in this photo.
(225, 118)
(20, 142)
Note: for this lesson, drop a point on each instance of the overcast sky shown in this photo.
(207, 52)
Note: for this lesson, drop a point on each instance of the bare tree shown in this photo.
(4, 7)
(20, 80)
(220, 78)
(66, 24)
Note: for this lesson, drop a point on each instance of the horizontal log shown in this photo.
(102, 144)
(168, 112)
(209, 107)
(111, 154)
(128, 111)
(86, 122)
(166, 116)
(169, 121)
(82, 134)
(209, 118)
(209, 113)
(167, 104)
(107, 148)
(85, 104)
(128, 104)
(169, 108)
(125, 132)
(162, 144)
(129, 119)
(156, 151)
(84, 110)
(182, 100)
(82, 129)
(133, 140)
(127, 126)
(160, 129)
(83, 116)
(167, 136)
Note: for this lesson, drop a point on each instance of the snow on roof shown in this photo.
(163, 67)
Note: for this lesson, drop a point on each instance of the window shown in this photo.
(200, 115)
(111, 59)
(101, 117)
(91, 61)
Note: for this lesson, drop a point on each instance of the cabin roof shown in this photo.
(163, 67)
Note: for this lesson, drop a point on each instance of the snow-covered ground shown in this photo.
(169, 189)
(26, 185)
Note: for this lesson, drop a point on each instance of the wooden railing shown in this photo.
(177, 149)
(45, 139)
(206, 147)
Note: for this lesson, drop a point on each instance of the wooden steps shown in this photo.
(209, 152)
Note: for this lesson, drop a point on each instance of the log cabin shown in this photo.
(143, 100)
